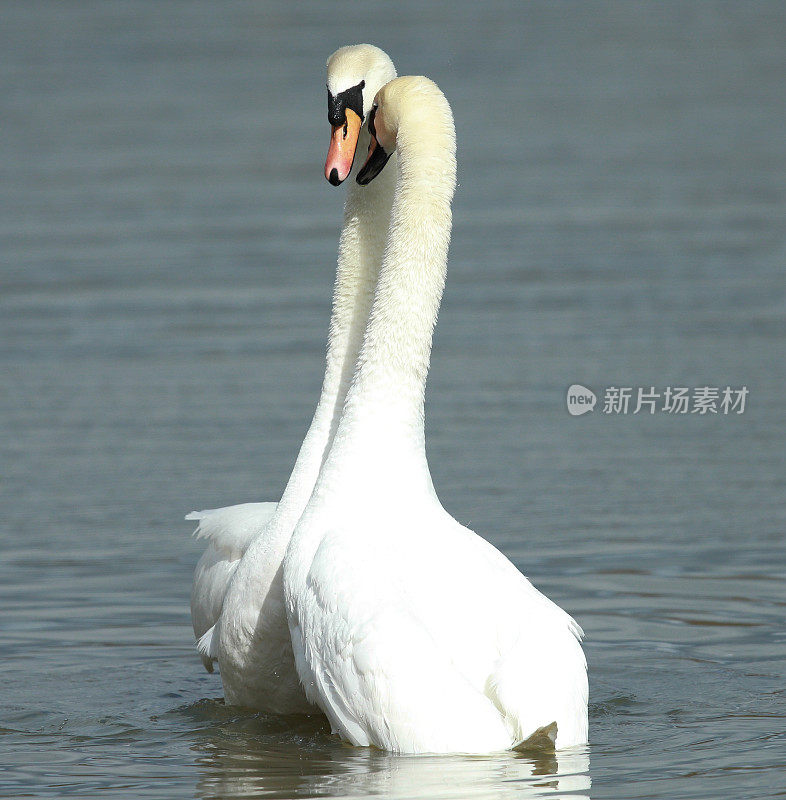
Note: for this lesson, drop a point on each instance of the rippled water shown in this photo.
(168, 242)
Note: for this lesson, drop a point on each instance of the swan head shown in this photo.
(354, 75)
(411, 112)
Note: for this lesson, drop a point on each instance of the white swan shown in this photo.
(411, 632)
(237, 603)
(228, 532)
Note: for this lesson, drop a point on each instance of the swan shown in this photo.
(411, 632)
(237, 602)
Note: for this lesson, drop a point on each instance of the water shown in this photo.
(168, 242)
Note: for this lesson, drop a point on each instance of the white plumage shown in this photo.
(411, 632)
(228, 531)
(237, 599)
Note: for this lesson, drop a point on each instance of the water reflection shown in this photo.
(253, 755)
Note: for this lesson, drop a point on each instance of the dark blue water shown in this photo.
(167, 246)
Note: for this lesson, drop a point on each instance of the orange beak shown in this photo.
(341, 153)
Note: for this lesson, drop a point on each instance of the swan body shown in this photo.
(228, 531)
(237, 591)
(410, 631)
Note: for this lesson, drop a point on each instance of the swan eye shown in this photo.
(371, 117)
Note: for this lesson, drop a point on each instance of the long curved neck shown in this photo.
(383, 420)
(360, 249)
(366, 212)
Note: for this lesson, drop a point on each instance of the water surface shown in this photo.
(168, 243)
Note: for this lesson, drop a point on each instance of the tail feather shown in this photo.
(207, 646)
(231, 529)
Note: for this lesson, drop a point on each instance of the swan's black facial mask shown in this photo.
(345, 115)
(351, 98)
(377, 157)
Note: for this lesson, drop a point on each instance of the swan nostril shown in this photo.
(333, 177)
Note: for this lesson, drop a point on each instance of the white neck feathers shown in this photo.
(362, 241)
(385, 404)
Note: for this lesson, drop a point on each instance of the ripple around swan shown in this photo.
(255, 756)
(167, 259)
